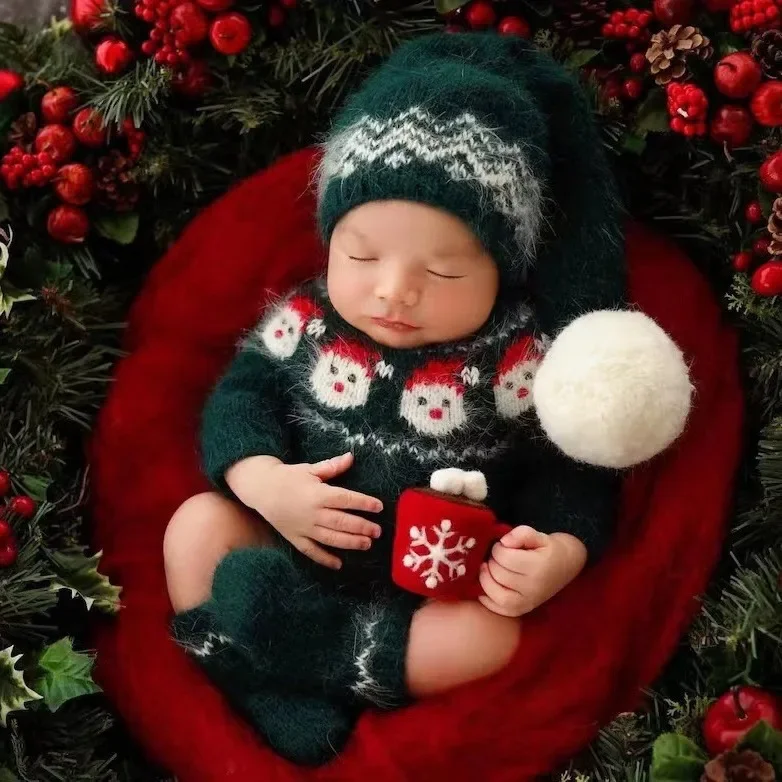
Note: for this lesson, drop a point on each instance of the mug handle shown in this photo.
(475, 589)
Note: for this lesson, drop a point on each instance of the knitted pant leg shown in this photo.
(308, 637)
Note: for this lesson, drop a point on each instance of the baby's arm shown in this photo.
(244, 440)
(566, 512)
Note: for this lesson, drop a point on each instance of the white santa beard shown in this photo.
(418, 415)
(290, 324)
(351, 377)
(507, 400)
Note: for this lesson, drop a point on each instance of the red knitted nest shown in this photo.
(584, 656)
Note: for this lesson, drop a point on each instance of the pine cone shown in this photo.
(670, 48)
(580, 20)
(115, 185)
(23, 130)
(744, 766)
(775, 228)
(767, 50)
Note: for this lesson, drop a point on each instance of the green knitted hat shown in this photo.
(495, 132)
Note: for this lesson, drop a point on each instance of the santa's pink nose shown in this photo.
(436, 413)
(278, 334)
(522, 392)
(339, 387)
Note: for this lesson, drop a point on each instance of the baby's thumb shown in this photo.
(331, 468)
(524, 537)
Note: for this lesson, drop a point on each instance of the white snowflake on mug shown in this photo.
(282, 330)
(438, 558)
(343, 374)
(433, 398)
(514, 378)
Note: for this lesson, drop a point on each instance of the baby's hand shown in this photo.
(296, 500)
(527, 568)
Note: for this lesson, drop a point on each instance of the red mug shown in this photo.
(440, 542)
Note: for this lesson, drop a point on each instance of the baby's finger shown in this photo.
(503, 576)
(331, 468)
(347, 522)
(317, 554)
(330, 537)
(506, 599)
(524, 538)
(344, 499)
(516, 560)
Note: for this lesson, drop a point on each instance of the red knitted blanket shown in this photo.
(584, 656)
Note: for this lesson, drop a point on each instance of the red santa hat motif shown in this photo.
(304, 307)
(355, 352)
(451, 373)
(525, 349)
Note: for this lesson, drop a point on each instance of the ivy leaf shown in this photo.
(65, 674)
(14, 692)
(120, 228)
(676, 758)
(767, 741)
(9, 295)
(581, 57)
(78, 573)
(447, 6)
(652, 115)
(4, 373)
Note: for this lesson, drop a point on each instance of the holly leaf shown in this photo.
(120, 228)
(4, 373)
(767, 741)
(78, 573)
(675, 758)
(634, 144)
(9, 295)
(446, 6)
(36, 486)
(65, 674)
(652, 114)
(14, 692)
(727, 43)
(581, 57)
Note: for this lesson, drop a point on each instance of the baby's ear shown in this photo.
(613, 389)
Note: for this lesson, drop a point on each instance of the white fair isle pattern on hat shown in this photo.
(467, 150)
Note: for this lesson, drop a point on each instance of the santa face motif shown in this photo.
(513, 389)
(434, 409)
(340, 381)
(282, 331)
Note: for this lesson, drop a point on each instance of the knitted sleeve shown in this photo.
(244, 415)
(558, 494)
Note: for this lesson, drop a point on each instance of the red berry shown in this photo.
(148, 16)
(68, 224)
(22, 506)
(75, 184)
(230, 33)
(638, 63)
(731, 125)
(58, 104)
(9, 553)
(480, 15)
(760, 245)
(753, 212)
(617, 17)
(148, 47)
(10, 81)
(514, 25)
(632, 89)
(57, 141)
(622, 30)
(608, 30)
(743, 260)
(189, 24)
(767, 279)
(113, 56)
(88, 128)
(766, 104)
(275, 16)
(6, 530)
(5, 482)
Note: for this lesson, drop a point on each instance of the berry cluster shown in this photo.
(20, 506)
(630, 25)
(687, 106)
(482, 15)
(754, 15)
(20, 169)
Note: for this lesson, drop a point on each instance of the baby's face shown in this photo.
(408, 275)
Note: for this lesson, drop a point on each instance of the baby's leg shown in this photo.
(203, 530)
(455, 643)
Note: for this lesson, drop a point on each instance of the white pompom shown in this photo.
(475, 487)
(449, 480)
(613, 389)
